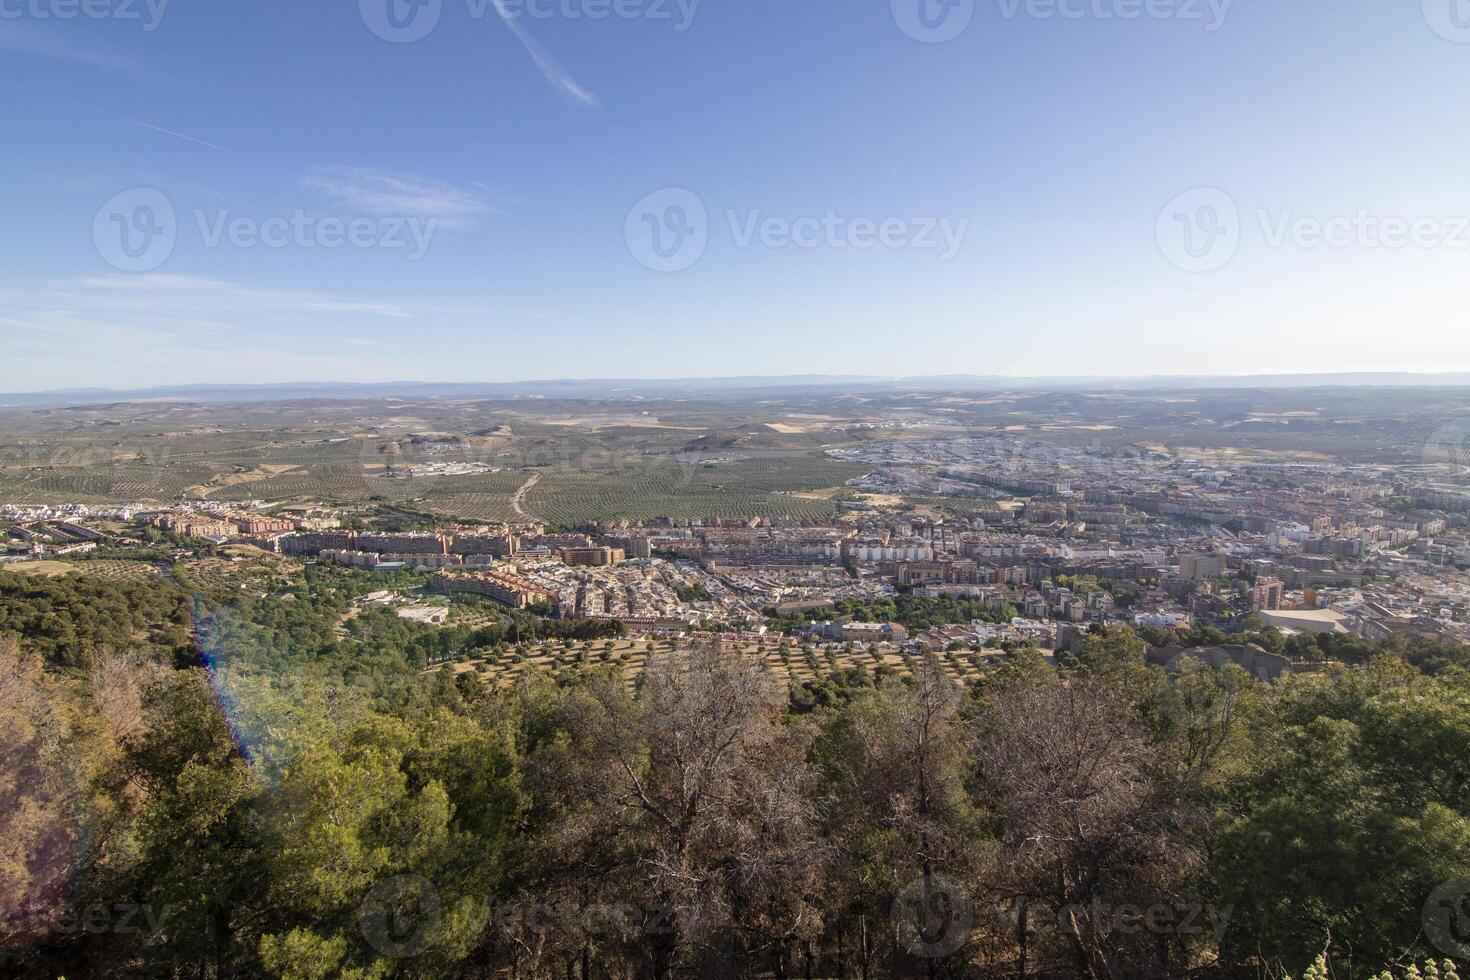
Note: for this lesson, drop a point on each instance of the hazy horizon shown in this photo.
(1304, 379)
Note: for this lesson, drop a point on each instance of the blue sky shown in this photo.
(1063, 187)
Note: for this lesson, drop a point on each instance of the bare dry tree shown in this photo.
(694, 808)
(1088, 830)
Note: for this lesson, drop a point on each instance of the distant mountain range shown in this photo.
(712, 388)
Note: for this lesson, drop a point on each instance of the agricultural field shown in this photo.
(620, 456)
(476, 497)
(578, 475)
(118, 570)
(96, 483)
(41, 569)
(340, 482)
(474, 615)
(790, 663)
(760, 487)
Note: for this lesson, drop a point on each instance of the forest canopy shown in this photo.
(242, 788)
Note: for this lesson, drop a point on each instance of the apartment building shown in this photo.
(508, 590)
(255, 526)
(316, 542)
(501, 544)
(1267, 593)
(910, 549)
(194, 527)
(595, 556)
(1198, 568)
(415, 543)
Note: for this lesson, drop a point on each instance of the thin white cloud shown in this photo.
(43, 329)
(387, 194)
(171, 325)
(550, 69)
(188, 295)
